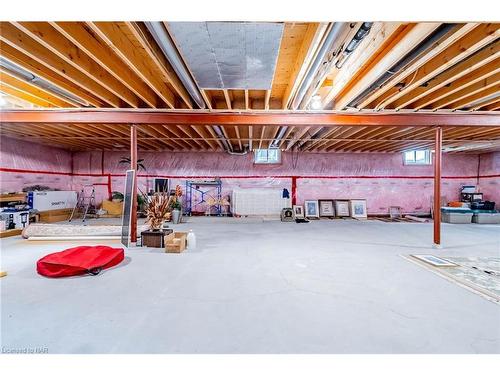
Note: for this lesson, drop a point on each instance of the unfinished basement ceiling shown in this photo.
(229, 55)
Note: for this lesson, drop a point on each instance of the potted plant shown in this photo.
(157, 210)
(176, 211)
(176, 205)
(117, 196)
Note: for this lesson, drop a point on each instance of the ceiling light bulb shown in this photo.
(316, 102)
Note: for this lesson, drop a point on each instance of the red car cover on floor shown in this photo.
(79, 260)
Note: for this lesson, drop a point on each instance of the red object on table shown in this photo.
(79, 261)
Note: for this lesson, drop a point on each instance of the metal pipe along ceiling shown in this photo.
(30, 77)
(333, 34)
(160, 35)
(405, 61)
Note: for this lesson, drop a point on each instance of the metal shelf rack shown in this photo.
(211, 188)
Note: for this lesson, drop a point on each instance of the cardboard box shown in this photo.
(54, 216)
(175, 242)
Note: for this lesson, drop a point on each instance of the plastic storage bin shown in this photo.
(456, 215)
(486, 217)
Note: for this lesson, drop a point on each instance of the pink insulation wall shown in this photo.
(21, 163)
(490, 183)
(380, 178)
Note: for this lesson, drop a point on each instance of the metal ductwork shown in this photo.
(341, 51)
(326, 47)
(279, 137)
(227, 145)
(162, 38)
(405, 61)
(31, 78)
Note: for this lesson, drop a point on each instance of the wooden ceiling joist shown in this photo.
(33, 50)
(39, 70)
(115, 36)
(473, 41)
(55, 42)
(407, 73)
(404, 41)
(81, 35)
(6, 78)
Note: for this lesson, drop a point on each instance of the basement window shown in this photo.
(267, 156)
(417, 157)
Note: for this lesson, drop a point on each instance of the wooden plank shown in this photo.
(117, 40)
(467, 92)
(228, 99)
(151, 48)
(404, 42)
(481, 36)
(266, 100)
(247, 101)
(459, 84)
(466, 66)
(34, 90)
(39, 70)
(10, 233)
(81, 35)
(310, 43)
(34, 50)
(26, 96)
(51, 39)
(458, 32)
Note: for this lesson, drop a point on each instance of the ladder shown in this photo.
(85, 203)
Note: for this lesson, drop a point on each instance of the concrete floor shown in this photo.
(255, 286)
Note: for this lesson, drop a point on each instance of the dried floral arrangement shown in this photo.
(158, 210)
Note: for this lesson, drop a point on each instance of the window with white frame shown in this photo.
(267, 156)
(417, 157)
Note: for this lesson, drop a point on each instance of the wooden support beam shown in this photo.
(266, 99)
(51, 39)
(188, 118)
(81, 36)
(310, 43)
(464, 67)
(140, 32)
(34, 50)
(466, 92)
(10, 79)
(438, 146)
(467, 80)
(39, 70)
(402, 45)
(116, 38)
(458, 32)
(480, 37)
(247, 101)
(476, 98)
(227, 96)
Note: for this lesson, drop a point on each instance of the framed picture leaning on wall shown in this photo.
(298, 212)
(311, 209)
(341, 208)
(326, 208)
(358, 208)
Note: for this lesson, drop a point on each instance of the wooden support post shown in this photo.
(133, 165)
(437, 186)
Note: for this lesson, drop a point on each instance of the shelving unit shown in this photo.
(211, 188)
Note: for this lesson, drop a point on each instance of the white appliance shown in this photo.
(258, 201)
(51, 200)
